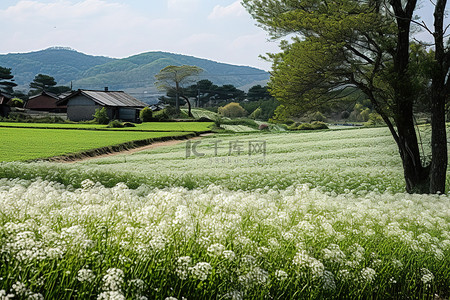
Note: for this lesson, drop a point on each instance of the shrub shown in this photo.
(289, 122)
(128, 124)
(146, 114)
(171, 112)
(256, 113)
(319, 125)
(345, 115)
(101, 116)
(318, 116)
(232, 110)
(305, 126)
(161, 115)
(115, 124)
(374, 120)
(316, 125)
(16, 102)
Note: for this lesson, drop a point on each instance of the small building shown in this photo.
(5, 108)
(82, 104)
(46, 101)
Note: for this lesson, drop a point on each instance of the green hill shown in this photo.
(63, 64)
(134, 74)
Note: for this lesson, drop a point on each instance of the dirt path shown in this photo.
(134, 150)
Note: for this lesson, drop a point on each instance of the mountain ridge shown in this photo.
(134, 74)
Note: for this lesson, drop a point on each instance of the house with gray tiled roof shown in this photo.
(82, 104)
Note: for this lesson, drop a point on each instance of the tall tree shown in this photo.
(174, 79)
(364, 44)
(258, 92)
(42, 83)
(6, 81)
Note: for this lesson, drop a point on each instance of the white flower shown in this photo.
(281, 275)
(229, 255)
(201, 271)
(368, 275)
(20, 289)
(35, 296)
(85, 275)
(113, 280)
(216, 250)
(111, 295)
(234, 295)
(427, 277)
(302, 259)
(328, 281)
(182, 269)
(5, 296)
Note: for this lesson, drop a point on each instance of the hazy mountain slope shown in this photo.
(134, 74)
(63, 64)
(138, 71)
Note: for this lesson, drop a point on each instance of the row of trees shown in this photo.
(179, 83)
(366, 45)
(39, 84)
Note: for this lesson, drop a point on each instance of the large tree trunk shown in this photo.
(189, 106)
(416, 175)
(438, 95)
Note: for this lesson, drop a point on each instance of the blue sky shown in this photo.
(219, 30)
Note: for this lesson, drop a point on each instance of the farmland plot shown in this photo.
(314, 216)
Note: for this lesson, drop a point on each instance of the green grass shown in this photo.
(25, 144)
(150, 126)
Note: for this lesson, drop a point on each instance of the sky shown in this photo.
(220, 30)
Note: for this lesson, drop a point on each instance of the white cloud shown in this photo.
(183, 5)
(116, 28)
(233, 10)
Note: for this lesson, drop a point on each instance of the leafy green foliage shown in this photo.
(6, 80)
(115, 124)
(258, 92)
(101, 116)
(41, 83)
(16, 102)
(146, 114)
(232, 110)
(256, 114)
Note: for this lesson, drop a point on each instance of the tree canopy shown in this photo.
(345, 44)
(175, 78)
(6, 81)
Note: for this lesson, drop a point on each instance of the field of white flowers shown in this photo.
(318, 216)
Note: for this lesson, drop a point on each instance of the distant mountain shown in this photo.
(134, 74)
(63, 64)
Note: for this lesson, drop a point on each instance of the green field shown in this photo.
(149, 126)
(25, 144)
(317, 215)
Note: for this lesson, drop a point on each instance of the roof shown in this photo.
(44, 93)
(107, 98)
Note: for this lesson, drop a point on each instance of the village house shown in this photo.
(82, 104)
(45, 101)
